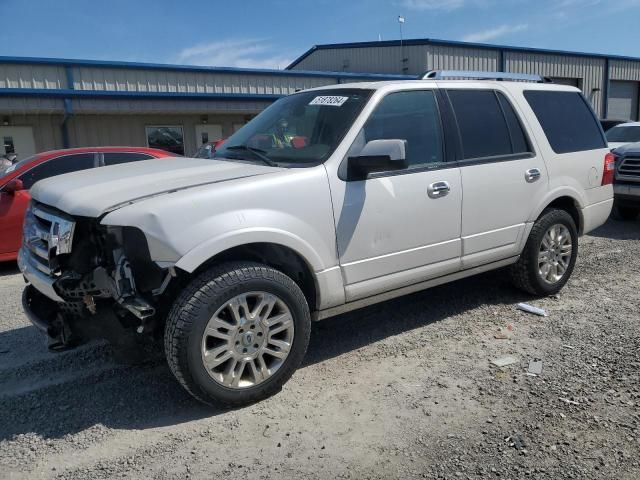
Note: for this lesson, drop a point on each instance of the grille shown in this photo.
(629, 169)
(46, 235)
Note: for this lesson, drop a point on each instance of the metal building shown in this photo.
(56, 103)
(610, 82)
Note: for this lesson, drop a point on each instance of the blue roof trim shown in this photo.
(68, 93)
(66, 62)
(454, 43)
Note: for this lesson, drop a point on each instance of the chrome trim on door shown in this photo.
(438, 189)
(532, 175)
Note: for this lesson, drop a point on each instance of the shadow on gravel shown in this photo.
(618, 230)
(8, 268)
(85, 389)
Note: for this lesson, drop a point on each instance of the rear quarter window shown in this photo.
(567, 120)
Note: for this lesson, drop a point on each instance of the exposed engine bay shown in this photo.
(103, 282)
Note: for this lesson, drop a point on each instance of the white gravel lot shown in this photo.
(399, 390)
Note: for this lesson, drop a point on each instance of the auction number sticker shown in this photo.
(329, 100)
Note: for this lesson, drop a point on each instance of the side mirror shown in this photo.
(13, 186)
(378, 156)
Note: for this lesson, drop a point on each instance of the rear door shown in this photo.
(502, 176)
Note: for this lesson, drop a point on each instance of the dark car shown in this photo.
(609, 123)
(627, 182)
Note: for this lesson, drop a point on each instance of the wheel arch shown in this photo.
(571, 206)
(567, 200)
(276, 255)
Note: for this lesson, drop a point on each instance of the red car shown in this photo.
(16, 180)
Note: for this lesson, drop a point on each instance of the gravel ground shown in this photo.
(400, 390)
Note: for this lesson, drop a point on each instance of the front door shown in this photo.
(394, 229)
(206, 133)
(17, 140)
(502, 177)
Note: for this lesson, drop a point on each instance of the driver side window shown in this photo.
(412, 116)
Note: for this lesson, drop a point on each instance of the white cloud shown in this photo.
(493, 33)
(432, 4)
(247, 53)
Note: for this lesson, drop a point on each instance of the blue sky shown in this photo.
(270, 34)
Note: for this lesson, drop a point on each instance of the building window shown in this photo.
(166, 137)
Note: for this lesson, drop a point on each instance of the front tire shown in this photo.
(548, 258)
(237, 333)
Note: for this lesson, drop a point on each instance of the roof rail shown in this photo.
(468, 74)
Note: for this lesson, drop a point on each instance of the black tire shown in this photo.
(525, 273)
(625, 213)
(194, 307)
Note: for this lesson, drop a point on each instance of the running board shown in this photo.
(416, 287)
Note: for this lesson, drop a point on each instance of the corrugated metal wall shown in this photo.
(121, 121)
(47, 132)
(589, 71)
(24, 105)
(378, 60)
(32, 76)
(138, 80)
(624, 70)
(102, 130)
(420, 58)
(455, 58)
(129, 106)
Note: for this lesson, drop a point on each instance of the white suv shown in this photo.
(331, 199)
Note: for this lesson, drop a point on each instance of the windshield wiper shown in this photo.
(260, 154)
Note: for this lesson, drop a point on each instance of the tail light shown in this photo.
(609, 169)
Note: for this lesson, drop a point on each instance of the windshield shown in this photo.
(624, 134)
(299, 130)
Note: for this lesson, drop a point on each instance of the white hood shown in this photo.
(90, 193)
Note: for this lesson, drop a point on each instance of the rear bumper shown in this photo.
(627, 194)
(596, 214)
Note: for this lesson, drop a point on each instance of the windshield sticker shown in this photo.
(329, 100)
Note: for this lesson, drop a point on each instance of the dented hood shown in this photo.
(90, 193)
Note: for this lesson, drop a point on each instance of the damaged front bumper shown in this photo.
(85, 287)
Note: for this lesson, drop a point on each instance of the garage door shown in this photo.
(623, 100)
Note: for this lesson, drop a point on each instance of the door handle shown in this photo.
(532, 175)
(438, 189)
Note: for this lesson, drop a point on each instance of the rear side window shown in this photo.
(115, 158)
(483, 127)
(567, 120)
(519, 142)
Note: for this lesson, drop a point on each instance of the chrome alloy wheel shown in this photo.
(555, 253)
(247, 340)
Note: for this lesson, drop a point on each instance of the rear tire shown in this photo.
(548, 258)
(237, 333)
